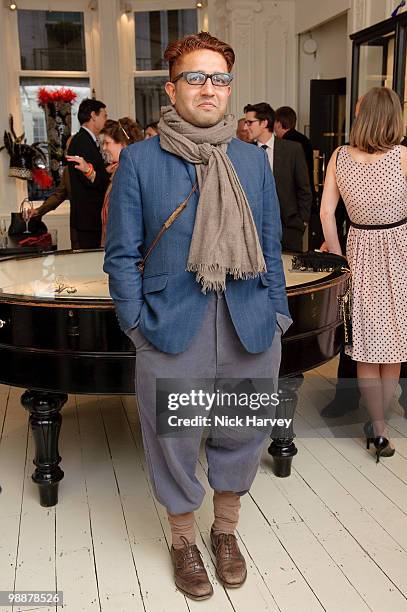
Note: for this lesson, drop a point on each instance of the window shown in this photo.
(51, 40)
(154, 30)
(150, 97)
(34, 117)
(52, 53)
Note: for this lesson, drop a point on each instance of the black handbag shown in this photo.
(329, 262)
(36, 227)
(317, 261)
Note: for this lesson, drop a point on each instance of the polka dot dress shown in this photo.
(375, 194)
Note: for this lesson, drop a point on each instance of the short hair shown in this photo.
(86, 107)
(195, 42)
(379, 124)
(125, 131)
(287, 117)
(263, 112)
(153, 125)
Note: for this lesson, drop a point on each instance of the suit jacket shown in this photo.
(293, 188)
(305, 142)
(61, 193)
(87, 197)
(168, 302)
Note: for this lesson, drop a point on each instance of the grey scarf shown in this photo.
(224, 240)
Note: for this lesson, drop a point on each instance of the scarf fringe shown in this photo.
(204, 270)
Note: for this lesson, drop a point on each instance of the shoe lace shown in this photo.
(227, 543)
(191, 556)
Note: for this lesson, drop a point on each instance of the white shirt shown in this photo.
(269, 150)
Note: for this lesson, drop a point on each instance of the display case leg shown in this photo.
(282, 447)
(45, 421)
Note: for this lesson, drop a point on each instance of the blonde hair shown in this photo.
(379, 124)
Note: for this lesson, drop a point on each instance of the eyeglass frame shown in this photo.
(250, 121)
(206, 75)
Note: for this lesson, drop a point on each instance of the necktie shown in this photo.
(265, 147)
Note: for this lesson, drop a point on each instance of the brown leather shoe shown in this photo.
(230, 563)
(189, 571)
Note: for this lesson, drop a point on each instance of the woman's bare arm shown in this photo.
(330, 199)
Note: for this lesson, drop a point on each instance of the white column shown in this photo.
(112, 48)
(127, 54)
(12, 191)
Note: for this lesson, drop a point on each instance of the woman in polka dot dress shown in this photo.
(371, 177)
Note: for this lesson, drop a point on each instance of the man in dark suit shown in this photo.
(284, 127)
(86, 195)
(287, 161)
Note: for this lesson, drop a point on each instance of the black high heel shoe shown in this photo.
(382, 446)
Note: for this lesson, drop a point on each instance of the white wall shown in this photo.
(331, 22)
(312, 13)
(12, 190)
(262, 35)
(329, 62)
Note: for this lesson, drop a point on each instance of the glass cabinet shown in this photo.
(379, 60)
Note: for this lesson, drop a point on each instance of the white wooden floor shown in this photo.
(331, 537)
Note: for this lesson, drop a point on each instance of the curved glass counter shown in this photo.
(65, 276)
(77, 277)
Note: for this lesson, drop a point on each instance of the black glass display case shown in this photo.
(379, 59)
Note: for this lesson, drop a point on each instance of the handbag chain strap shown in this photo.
(345, 307)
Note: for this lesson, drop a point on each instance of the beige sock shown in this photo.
(226, 506)
(182, 525)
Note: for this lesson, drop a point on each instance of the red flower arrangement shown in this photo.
(42, 178)
(63, 94)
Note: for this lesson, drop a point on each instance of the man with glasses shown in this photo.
(287, 161)
(211, 304)
(242, 132)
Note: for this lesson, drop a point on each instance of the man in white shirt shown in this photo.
(289, 167)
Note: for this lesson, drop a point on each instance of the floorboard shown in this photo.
(331, 537)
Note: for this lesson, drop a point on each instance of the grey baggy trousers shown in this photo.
(215, 353)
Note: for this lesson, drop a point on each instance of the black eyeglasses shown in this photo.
(250, 121)
(219, 79)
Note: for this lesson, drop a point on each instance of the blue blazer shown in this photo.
(167, 302)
